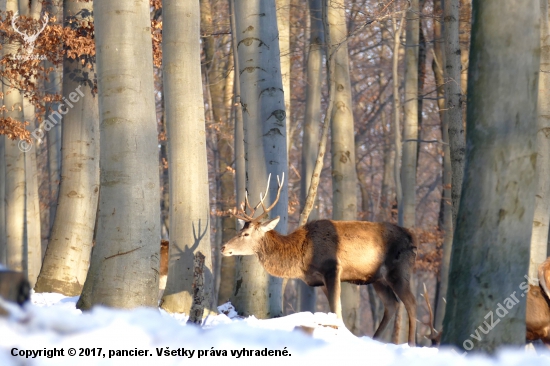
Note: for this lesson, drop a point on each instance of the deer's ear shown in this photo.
(270, 225)
(240, 224)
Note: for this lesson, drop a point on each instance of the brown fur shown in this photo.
(164, 246)
(538, 307)
(325, 252)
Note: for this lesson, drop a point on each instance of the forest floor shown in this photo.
(52, 321)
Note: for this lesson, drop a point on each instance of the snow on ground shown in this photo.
(53, 322)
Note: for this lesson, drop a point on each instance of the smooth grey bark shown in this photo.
(541, 219)
(283, 25)
(33, 240)
(407, 207)
(16, 256)
(314, 75)
(128, 235)
(189, 194)
(445, 214)
(264, 118)
(67, 257)
(453, 93)
(495, 217)
(344, 174)
(240, 163)
(387, 189)
(53, 85)
(396, 110)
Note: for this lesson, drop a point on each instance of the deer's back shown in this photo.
(362, 248)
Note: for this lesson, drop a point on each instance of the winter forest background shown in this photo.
(130, 122)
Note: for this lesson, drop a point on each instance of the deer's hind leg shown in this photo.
(390, 306)
(402, 287)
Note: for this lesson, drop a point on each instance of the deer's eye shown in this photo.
(246, 234)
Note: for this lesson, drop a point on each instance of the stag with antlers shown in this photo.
(326, 252)
(29, 38)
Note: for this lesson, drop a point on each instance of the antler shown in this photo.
(246, 204)
(16, 15)
(46, 18)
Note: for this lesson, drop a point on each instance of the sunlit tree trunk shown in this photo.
(493, 227)
(539, 238)
(264, 118)
(407, 208)
(16, 256)
(128, 235)
(310, 144)
(283, 25)
(344, 175)
(33, 242)
(68, 254)
(189, 195)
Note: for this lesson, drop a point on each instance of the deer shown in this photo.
(323, 253)
(537, 318)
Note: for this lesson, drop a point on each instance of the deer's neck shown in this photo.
(283, 255)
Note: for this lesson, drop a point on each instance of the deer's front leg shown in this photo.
(332, 284)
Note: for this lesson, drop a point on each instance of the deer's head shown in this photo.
(248, 239)
(29, 38)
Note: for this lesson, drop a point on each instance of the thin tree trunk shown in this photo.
(53, 86)
(344, 175)
(306, 294)
(407, 211)
(68, 254)
(264, 117)
(189, 202)
(397, 29)
(283, 25)
(539, 238)
(445, 215)
(33, 241)
(128, 236)
(495, 218)
(240, 163)
(32, 211)
(454, 98)
(407, 208)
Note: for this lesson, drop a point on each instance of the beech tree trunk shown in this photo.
(454, 98)
(407, 208)
(126, 254)
(16, 256)
(495, 217)
(445, 215)
(189, 195)
(264, 118)
(541, 219)
(310, 143)
(53, 86)
(344, 175)
(68, 254)
(283, 25)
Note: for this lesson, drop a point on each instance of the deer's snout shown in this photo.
(222, 250)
